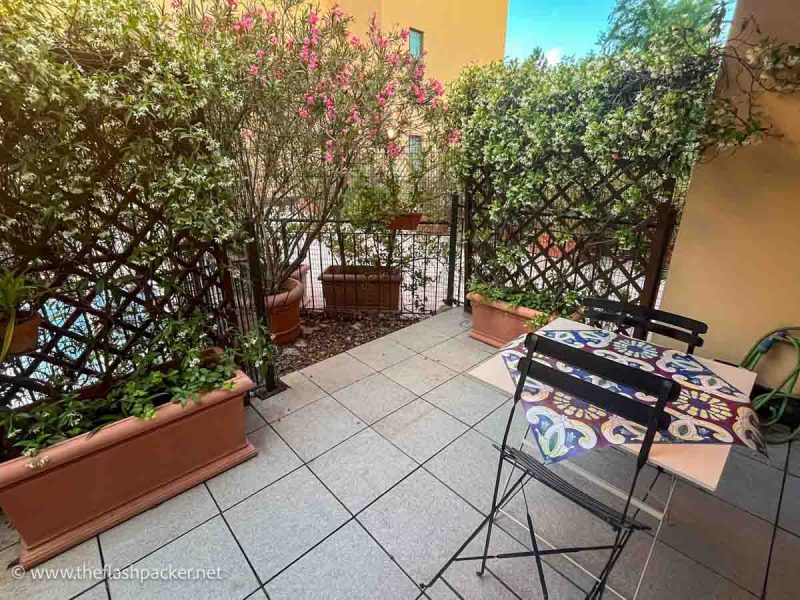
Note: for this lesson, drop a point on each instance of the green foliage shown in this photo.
(545, 301)
(177, 367)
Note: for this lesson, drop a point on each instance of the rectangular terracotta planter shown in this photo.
(90, 483)
(496, 323)
(361, 288)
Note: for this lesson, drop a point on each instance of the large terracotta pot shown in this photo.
(301, 274)
(25, 337)
(497, 323)
(284, 312)
(361, 288)
(88, 484)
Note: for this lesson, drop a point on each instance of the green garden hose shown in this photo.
(772, 404)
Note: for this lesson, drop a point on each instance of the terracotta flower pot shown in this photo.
(361, 288)
(496, 323)
(301, 274)
(89, 483)
(25, 337)
(408, 221)
(284, 312)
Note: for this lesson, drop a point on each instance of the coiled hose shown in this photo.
(772, 404)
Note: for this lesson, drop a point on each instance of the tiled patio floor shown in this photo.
(374, 467)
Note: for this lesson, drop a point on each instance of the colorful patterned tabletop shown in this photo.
(709, 410)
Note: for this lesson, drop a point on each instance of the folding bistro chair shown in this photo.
(644, 320)
(651, 418)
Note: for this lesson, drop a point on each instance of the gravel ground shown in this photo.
(324, 336)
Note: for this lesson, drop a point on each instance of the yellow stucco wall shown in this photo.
(456, 32)
(736, 263)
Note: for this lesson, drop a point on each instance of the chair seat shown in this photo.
(542, 474)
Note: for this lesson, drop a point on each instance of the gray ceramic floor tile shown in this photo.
(790, 507)
(460, 353)
(98, 592)
(419, 374)
(318, 427)
(129, 541)
(374, 397)
(794, 459)
(451, 322)
(362, 468)
(420, 523)
(252, 420)
(85, 556)
(751, 485)
(778, 454)
(468, 466)
(494, 425)
(420, 429)
(273, 461)
(782, 582)
(302, 391)
(280, 523)
(336, 372)
(349, 565)
(209, 547)
(728, 540)
(8, 535)
(518, 574)
(671, 573)
(381, 353)
(420, 337)
(466, 398)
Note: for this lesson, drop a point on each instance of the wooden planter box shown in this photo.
(90, 483)
(406, 221)
(361, 288)
(496, 323)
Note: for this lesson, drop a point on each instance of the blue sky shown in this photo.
(559, 27)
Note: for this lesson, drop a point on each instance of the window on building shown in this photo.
(415, 43)
(415, 151)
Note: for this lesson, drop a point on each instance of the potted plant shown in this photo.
(115, 449)
(501, 314)
(18, 326)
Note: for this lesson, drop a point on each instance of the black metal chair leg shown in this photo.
(539, 566)
(599, 587)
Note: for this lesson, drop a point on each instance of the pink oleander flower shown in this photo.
(244, 24)
(330, 108)
(337, 12)
(388, 91)
(394, 150)
(454, 137)
(303, 112)
(355, 42)
(437, 87)
(289, 43)
(313, 62)
(176, 4)
(246, 134)
(419, 72)
(310, 99)
(208, 21)
(328, 158)
(381, 42)
(394, 59)
(419, 92)
(273, 40)
(254, 70)
(380, 100)
(269, 16)
(355, 116)
(233, 3)
(405, 34)
(313, 18)
(260, 54)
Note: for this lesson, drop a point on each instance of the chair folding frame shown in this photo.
(651, 417)
(644, 320)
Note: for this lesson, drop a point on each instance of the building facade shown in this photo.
(453, 33)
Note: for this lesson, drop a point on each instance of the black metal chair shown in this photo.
(644, 320)
(651, 417)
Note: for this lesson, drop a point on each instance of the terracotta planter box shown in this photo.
(25, 337)
(496, 323)
(284, 312)
(408, 221)
(361, 288)
(90, 483)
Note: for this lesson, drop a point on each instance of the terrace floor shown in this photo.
(373, 468)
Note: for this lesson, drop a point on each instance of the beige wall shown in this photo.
(736, 264)
(456, 32)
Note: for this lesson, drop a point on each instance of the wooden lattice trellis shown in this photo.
(553, 246)
(105, 292)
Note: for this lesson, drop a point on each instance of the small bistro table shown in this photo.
(700, 463)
